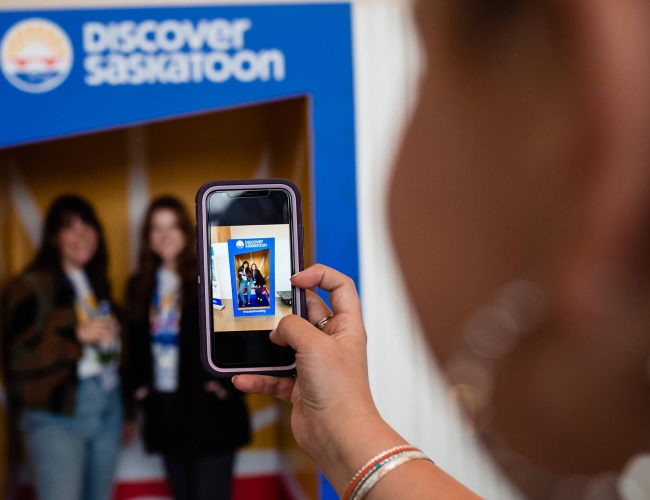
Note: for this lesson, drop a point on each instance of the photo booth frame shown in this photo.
(257, 53)
(244, 248)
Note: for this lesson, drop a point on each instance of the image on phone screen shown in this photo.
(251, 271)
(251, 251)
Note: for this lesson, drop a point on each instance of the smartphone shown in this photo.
(249, 244)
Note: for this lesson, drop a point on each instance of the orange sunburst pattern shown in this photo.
(36, 41)
(37, 35)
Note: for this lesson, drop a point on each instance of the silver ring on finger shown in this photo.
(321, 324)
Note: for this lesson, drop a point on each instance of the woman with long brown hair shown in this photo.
(258, 282)
(61, 355)
(244, 276)
(196, 422)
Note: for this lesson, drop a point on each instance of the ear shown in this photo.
(612, 39)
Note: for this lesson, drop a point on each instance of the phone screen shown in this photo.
(251, 238)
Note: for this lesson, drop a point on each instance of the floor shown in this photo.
(225, 321)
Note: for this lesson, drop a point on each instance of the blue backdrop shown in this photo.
(315, 43)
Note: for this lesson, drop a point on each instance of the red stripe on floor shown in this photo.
(245, 488)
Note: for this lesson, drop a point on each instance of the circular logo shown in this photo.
(36, 55)
(239, 244)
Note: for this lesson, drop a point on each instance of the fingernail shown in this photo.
(233, 379)
(292, 277)
(271, 333)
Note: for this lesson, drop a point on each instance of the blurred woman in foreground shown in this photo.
(61, 356)
(528, 161)
(196, 422)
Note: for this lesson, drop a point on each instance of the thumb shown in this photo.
(297, 333)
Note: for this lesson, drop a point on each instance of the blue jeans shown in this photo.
(74, 456)
(243, 285)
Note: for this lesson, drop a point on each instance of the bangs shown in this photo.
(61, 215)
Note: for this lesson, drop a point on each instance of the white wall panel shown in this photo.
(282, 265)
(223, 269)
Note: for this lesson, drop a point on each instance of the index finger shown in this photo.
(316, 307)
(343, 292)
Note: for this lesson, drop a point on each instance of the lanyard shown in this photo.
(162, 319)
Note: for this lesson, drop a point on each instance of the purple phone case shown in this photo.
(205, 302)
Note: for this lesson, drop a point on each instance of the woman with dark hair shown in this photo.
(195, 421)
(244, 276)
(61, 355)
(258, 281)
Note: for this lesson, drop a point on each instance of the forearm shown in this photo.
(419, 479)
(350, 444)
(358, 441)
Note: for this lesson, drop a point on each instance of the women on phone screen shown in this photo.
(245, 281)
(258, 282)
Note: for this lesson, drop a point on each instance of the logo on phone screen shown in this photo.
(239, 244)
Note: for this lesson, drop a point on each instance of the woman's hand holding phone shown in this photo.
(334, 417)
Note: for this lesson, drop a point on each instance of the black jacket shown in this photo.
(190, 420)
(259, 278)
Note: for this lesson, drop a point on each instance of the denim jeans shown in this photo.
(74, 456)
(244, 285)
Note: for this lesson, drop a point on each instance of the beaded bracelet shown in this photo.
(379, 466)
(392, 463)
(369, 465)
(375, 470)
